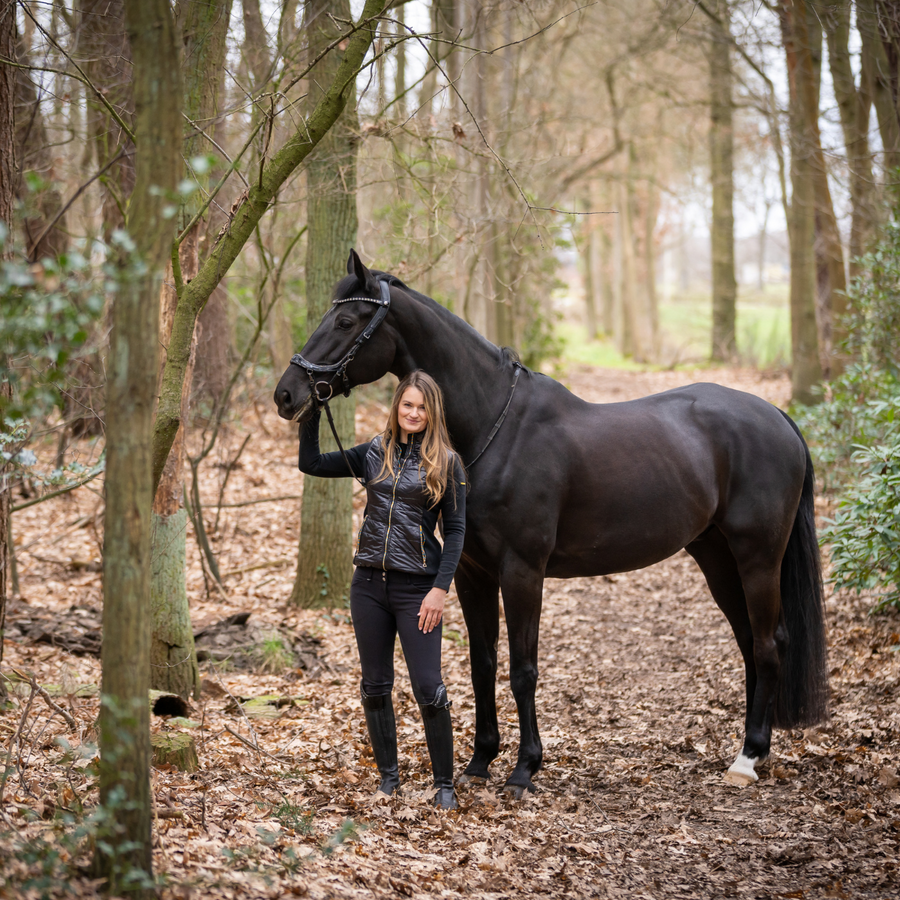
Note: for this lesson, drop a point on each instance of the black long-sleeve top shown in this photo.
(401, 534)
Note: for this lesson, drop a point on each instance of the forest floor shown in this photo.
(640, 707)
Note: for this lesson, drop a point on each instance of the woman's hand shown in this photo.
(432, 610)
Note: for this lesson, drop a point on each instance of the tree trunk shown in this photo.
(258, 55)
(626, 337)
(806, 370)
(833, 280)
(854, 105)
(203, 25)
(104, 47)
(721, 154)
(479, 310)
(443, 19)
(244, 219)
(132, 372)
(400, 66)
(214, 331)
(652, 309)
(324, 566)
(36, 186)
(888, 26)
(7, 203)
(591, 264)
(877, 72)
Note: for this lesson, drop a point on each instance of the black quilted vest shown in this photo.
(391, 535)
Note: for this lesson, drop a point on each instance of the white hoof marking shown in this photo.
(742, 771)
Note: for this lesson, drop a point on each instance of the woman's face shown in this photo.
(411, 414)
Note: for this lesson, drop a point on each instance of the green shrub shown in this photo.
(854, 434)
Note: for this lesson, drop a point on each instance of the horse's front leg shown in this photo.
(522, 587)
(478, 596)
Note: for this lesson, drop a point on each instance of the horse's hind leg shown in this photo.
(714, 556)
(479, 599)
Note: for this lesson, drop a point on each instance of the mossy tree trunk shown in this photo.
(173, 659)
(132, 378)
(806, 369)
(721, 155)
(324, 565)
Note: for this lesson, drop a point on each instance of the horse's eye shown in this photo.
(344, 324)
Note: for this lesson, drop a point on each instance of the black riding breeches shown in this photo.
(384, 604)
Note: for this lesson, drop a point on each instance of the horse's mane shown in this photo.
(508, 355)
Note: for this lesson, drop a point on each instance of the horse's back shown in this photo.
(619, 486)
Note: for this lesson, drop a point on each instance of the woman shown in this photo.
(412, 475)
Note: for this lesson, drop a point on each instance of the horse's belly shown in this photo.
(606, 560)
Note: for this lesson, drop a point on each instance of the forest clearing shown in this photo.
(640, 703)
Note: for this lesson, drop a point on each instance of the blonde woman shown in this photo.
(412, 475)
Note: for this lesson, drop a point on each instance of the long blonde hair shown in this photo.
(435, 451)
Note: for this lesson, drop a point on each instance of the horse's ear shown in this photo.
(356, 267)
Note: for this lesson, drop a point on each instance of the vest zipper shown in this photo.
(387, 534)
(422, 542)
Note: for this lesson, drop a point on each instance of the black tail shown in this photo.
(802, 697)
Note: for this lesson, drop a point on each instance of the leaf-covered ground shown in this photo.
(639, 704)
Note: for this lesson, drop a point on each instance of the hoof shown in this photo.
(742, 771)
(476, 780)
(518, 791)
(740, 779)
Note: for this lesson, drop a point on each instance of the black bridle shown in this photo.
(340, 367)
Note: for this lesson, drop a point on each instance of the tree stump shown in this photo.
(175, 748)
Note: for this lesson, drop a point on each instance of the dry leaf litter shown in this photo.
(640, 706)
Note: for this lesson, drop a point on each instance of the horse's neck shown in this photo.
(465, 365)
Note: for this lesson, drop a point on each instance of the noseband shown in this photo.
(340, 367)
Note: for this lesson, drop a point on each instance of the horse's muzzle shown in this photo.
(289, 408)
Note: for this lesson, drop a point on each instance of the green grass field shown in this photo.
(685, 324)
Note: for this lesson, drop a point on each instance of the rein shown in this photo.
(518, 368)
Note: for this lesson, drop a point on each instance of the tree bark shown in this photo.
(806, 369)
(203, 25)
(132, 377)
(249, 210)
(258, 55)
(854, 105)
(833, 277)
(7, 198)
(877, 72)
(721, 154)
(324, 565)
(103, 45)
(42, 199)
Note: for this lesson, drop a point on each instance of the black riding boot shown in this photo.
(439, 737)
(383, 735)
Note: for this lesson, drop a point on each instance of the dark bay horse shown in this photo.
(568, 488)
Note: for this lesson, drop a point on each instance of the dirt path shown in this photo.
(640, 705)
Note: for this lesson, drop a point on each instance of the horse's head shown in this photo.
(351, 346)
